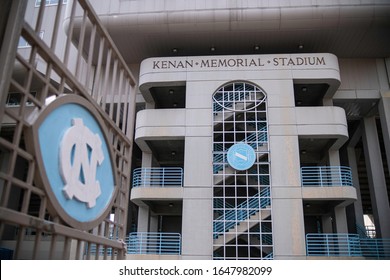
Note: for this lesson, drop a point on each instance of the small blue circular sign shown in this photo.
(241, 156)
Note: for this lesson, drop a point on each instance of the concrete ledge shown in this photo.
(324, 258)
(157, 124)
(152, 257)
(346, 194)
(155, 193)
(323, 122)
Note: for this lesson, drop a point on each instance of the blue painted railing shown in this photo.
(158, 177)
(158, 243)
(375, 248)
(227, 99)
(323, 176)
(270, 256)
(243, 211)
(333, 245)
(347, 245)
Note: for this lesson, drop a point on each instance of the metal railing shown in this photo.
(243, 211)
(323, 176)
(347, 245)
(83, 62)
(158, 243)
(333, 245)
(375, 248)
(158, 177)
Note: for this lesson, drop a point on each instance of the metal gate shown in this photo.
(37, 67)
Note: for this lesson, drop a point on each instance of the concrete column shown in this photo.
(334, 157)
(376, 178)
(327, 226)
(384, 114)
(147, 159)
(287, 205)
(341, 219)
(197, 242)
(143, 219)
(153, 223)
(334, 160)
(358, 207)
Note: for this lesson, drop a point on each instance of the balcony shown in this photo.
(158, 177)
(328, 183)
(326, 176)
(156, 243)
(347, 245)
(154, 184)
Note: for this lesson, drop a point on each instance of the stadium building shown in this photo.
(165, 129)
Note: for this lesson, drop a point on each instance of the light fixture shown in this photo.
(171, 91)
(256, 47)
(212, 48)
(175, 50)
(173, 153)
(303, 152)
(174, 105)
(304, 89)
(300, 46)
(170, 205)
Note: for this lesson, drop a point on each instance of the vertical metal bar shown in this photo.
(126, 102)
(163, 177)
(38, 24)
(69, 37)
(79, 250)
(90, 57)
(97, 84)
(53, 43)
(37, 242)
(129, 128)
(8, 47)
(53, 244)
(160, 242)
(119, 106)
(113, 87)
(327, 245)
(66, 248)
(81, 45)
(106, 76)
(19, 241)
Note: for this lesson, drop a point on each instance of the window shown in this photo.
(14, 98)
(242, 225)
(24, 44)
(49, 2)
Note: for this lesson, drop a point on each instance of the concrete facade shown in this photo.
(286, 121)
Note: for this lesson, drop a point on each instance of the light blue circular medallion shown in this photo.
(86, 191)
(241, 156)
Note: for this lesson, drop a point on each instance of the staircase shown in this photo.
(238, 119)
(234, 219)
(256, 140)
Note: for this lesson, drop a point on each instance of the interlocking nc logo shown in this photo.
(80, 154)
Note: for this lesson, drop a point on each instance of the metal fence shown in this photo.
(159, 243)
(347, 245)
(333, 245)
(323, 176)
(158, 177)
(84, 63)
